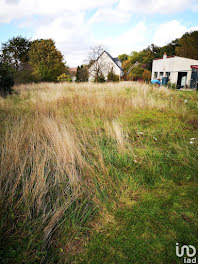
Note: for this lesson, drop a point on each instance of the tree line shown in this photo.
(30, 61)
(23, 61)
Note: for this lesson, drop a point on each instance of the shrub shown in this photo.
(146, 75)
(82, 74)
(112, 77)
(6, 79)
(169, 85)
(64, 78)
(100, 79)
(24, 75)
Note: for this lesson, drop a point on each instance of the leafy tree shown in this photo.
(6, 78)
(46, 60)
(170, 48)
(137, 57)
(15, 52)
(82, 73)
(136, 73)
(123, 57)
(126, 65)
(149, 54)
(143, 57)
(24, 75)
(188, 45)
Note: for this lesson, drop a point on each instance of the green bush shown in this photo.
(171, 85)
(6, 79)
(25, 75)
(112, 77)
(100, 79)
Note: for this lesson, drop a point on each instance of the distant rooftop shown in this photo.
(74, 69)
(166, 58)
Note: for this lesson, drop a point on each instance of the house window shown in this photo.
(161, 74)
(167, 74)
(155, 74)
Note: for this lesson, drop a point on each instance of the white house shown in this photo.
(181, 71)
(104, 64)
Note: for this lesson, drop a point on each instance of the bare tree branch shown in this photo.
(97, 64)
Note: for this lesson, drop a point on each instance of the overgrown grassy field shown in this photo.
(95, 173)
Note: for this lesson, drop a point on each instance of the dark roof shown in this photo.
(116, 60)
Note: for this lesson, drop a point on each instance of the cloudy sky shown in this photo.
(120, 25)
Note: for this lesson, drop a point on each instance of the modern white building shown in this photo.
(181, 71)
(104, 64)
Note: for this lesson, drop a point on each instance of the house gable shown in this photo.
(109, 63)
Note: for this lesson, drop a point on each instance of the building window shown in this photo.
(167, 74)
(155, 74)
(161, 74)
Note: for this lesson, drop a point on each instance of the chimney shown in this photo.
(164, 56)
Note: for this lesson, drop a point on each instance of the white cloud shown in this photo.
(154, 6)
(14, 9)
(193, 29)
(167, 32)
(109, 15)
(133, 39)
(142, 35)
(71, 34)
(61, 20)
(62, 27)
(65, 22)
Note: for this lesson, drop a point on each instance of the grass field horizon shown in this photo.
(97, 173)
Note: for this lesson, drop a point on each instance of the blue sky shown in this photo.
(121, 26)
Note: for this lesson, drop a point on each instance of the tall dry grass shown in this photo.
(50, 150)
(104, 99)
(42, 164)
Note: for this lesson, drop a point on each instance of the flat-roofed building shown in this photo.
(181, 71)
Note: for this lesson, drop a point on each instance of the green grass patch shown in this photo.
(147, 232)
